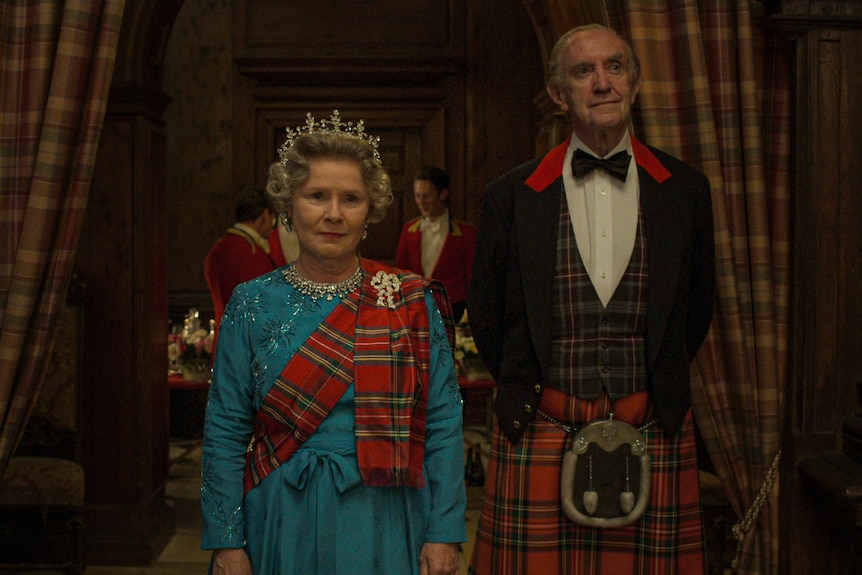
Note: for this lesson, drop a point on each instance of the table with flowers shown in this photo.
(189, 369)
(477, 385)
(190, 357)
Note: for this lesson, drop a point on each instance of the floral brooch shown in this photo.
(387, 286)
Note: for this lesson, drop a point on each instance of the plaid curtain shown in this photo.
(716, 94)
(56, 63)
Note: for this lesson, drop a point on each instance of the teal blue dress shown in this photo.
(313, 515)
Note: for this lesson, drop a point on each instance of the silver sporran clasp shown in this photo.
(605, 479)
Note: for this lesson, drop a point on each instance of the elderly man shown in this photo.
(592, 290)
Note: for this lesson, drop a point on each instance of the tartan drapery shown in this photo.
(716, 94)
(56, 64)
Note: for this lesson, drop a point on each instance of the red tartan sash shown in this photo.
(385, 354)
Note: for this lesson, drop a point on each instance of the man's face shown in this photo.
(428, 199)
(596, 89)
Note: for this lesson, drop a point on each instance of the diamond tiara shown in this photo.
(333, 125)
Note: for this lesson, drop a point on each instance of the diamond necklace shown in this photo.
(317, 290)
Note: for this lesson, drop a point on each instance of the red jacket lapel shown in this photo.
(551, 166)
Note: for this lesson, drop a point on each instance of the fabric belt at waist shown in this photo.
(635, 409)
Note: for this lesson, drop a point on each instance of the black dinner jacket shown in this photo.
(511, 292)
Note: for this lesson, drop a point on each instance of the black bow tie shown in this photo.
(617, 165)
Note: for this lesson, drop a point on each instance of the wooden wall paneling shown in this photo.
(366, 31)
(197, 75)
(397, 65)
(247, 165)
(504, 74)
(849, 221)
(820, 485)
(812, 374)
(272, 108)
(434, 151)
(818, 203)
(153, 309)
(121, 260)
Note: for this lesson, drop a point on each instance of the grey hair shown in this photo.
(285, 178)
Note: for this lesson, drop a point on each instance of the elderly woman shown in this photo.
(332, 441)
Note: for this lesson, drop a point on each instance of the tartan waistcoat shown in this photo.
(596, 348)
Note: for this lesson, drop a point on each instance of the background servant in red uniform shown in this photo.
(243, 253)
(436, 245)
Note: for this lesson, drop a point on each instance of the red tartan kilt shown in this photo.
(523, 530)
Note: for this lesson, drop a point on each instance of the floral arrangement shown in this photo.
(467, 358)
(192, 346)
(465, 349)
(191, 350)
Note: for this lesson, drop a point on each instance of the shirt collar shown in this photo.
(625, 144)
(252, 233)
(441, 223)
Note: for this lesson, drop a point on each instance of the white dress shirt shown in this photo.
(604, 214)
(433, 237)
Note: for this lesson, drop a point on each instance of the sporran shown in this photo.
(605, 480)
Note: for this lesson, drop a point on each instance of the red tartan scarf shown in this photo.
(384, 352)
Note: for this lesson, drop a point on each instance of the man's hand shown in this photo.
(439, 559)
(231, 562)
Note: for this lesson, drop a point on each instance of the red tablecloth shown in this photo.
(176, 381)
(465, 383)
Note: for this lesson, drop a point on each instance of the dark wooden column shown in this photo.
(821, 524)
(122, 261)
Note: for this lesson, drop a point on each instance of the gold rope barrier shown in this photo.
(741, 529)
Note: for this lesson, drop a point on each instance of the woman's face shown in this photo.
(329, 212)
